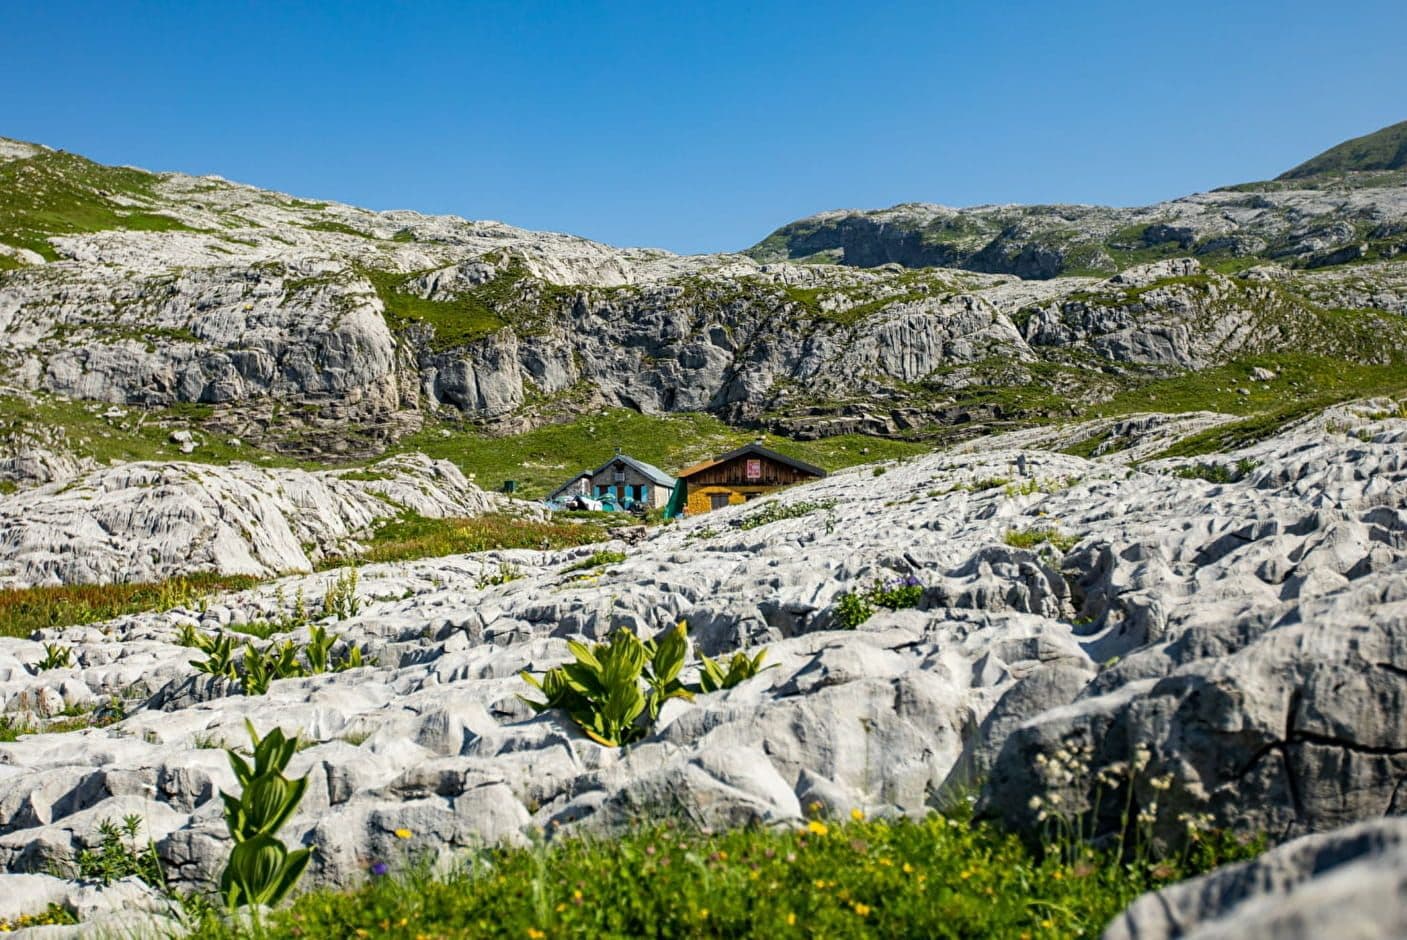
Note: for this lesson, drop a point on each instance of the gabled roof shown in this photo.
(555, 493)
(648, 471)
(754, 449)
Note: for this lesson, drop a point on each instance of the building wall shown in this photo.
(656, 496)
(701, 497)
(735, 473)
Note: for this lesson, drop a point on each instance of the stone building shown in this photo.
(621, 483)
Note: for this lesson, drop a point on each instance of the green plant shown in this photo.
(351, 658)
(506, 572)
(261, 870)
(1216, 472)
(852, 608)
(56, 656)
(256, 674)
(714, 678)
(341, 601)
(777, 511)
(118, 855)
(319, 649)
(1030, 538)
(601, 691)
(53, 914)
(596, 560)
(219, 659)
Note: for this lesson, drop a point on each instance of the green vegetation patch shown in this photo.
(24, 610)
(546, 457)
(512, 299)
(413, 536)
(56, 193)
(943, 876)
(141, 434)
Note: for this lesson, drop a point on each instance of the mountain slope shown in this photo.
(1381, 150)
(324, 331)
(1313, 216)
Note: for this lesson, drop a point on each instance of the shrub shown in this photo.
(852, 608)
(261, 870)
(256, 668)
(777, 511)
(601, 691)
(56, 656)
(341, 601)
(1030, 538)
(506, 573)
(1217, 473)
(596, 560)
(118, 855)
(714, 678)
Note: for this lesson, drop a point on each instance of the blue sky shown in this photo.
(700, 127)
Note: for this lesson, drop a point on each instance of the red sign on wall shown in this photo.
(754, 469)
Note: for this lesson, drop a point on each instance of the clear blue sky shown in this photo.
(703, 126)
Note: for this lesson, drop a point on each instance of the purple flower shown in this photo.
(379, 869)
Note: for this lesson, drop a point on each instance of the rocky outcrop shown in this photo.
(146, 522)
(1234, 643)
(1346, 883)
(293, 320)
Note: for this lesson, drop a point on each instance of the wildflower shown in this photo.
(857, 814)
(703, 914)
(862, 909)
(964, 874)
(791, 920)
(908, 869)
(1034, 802)
(1161, 783)
(817, 827)
(379, 869)
(403, 833)
(1047, 924)
(535, 934)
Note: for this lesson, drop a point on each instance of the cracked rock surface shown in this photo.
(1248, 639)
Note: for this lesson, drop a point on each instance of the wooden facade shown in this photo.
(741, 475)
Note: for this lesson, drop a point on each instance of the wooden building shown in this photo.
(621, 483)
(741, 475)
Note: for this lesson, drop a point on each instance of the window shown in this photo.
(620, 473)
(717, 500)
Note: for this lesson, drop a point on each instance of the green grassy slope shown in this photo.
(1385, 149)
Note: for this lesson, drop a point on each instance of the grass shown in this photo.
(542, 459)
(596, 560)
(56, 193)
(411, 537)
(943, 876)
(142, 434)
(24, 610)
(1030, 538)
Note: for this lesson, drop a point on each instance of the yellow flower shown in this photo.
(703, 914)
(964, 874)
(908, 869)
(576, 895)
(791, 920)
(535, 934)
(857, 814)
(817, 827)
(862, 909)
(820, 885)
(403, 833)
(1047, 924)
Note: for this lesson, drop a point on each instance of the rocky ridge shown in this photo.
(325, 330)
